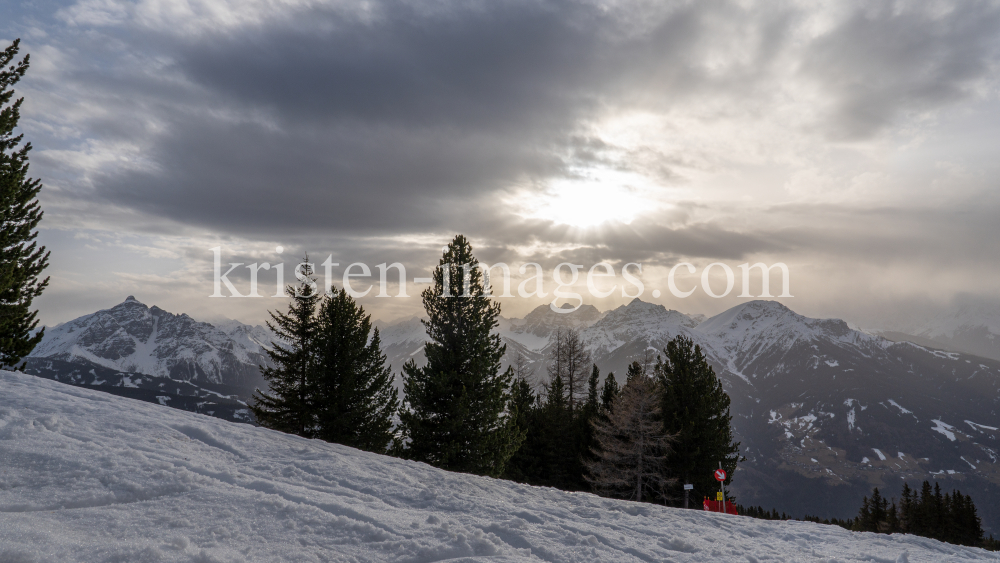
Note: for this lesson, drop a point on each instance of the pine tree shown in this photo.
(971, 524)
(635, 369)
(864, 522)
(523, 465)
(631, 446)
(289, 404)
(906, 510)
(949, 511)
(593, 404)
(879, 512)
(355, 398)
(609, 392)
(695, 410)
(21, 259)
(457, 413)
(954, 514)
(558, 463)
(925, 516)
(584, 429)
(938, 512)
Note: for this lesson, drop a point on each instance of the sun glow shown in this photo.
(589, 201)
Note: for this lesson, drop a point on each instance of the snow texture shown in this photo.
(946, 429)
(92, 477)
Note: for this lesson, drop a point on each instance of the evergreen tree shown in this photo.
(21, 259)
(695, 410)
(906, 510)
(635, 369)
(938, 513)
(289, 404)
(608, 392)
(631, 447)
(971, 524)
(457, 413)
(584, 429)
(523, 465)
(864, 521)
(355, 398)
(925, 516)
(875, 516)
(952, 516)
(558, 461)
(593, 400)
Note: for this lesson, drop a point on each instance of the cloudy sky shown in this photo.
(854, 142)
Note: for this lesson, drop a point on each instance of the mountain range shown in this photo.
(823, 412)
(148, 353)
(969, 326)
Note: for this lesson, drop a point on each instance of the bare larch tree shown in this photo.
(632, 447)
(570, 361)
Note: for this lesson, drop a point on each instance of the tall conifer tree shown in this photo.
(608, 392)
(695, 409)
(522, 466)
(289, 405)
(456, 413)
(355, 398)
(21, 259)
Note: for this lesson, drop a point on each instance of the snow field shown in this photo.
(90, 477)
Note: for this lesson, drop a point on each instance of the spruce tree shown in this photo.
(939, 514)
(559, 466)
(355, 398)
(289, 404)
(926, 518)
(864, 522)
(695, 409)
(971, 524)
(522, 466)
(906, 510)
(591, 409)
(583, 431)
(608, 392)
(457, 407)
(21, 259)
(634, 370)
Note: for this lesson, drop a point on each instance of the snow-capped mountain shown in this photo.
(132, 337)
(132, 346)
(969, 325)
(87, 477)
(823, 412)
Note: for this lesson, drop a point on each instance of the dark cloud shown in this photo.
(398, 123)
(358, 129)
(410, 118)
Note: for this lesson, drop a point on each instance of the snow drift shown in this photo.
(87, 476)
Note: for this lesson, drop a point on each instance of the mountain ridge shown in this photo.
(816, 405)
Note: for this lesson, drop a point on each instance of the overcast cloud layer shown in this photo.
(853, 141)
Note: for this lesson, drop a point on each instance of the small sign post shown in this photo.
(720, 476)
(687, 489)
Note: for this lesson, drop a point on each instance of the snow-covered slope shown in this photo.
(94, 478)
